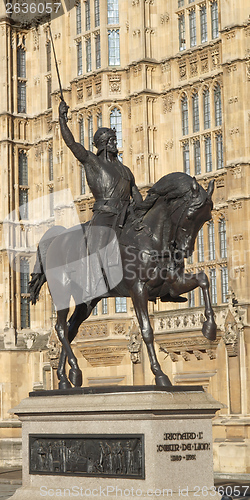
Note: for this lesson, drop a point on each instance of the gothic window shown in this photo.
(206, 109)
(113, 11)
(49, 101)
(200, 245)
(48, 55)
(88, 55)
(215, 20)
(78, 18)
(217, 105)
(114, 47)
(180, 3)
(87, 15)
(82, 180)
(197, 157)
(99, 120)
(21, 62)
(186, 158)
(211, 240)
(21, 97)
(79, 58)
(51, 168)
(90, 132)
(203, 23)
(116, 122)
(23, 168)
(182, 32)
(105, 306)
(192, 28)
(196, 121)
(184, 115)
(81, 132)
(97, 13)
(223, 238)
(213, 286)
(98, 51)
(224, 284)
(208, 153)
(24, 289)
(23, 184)
(120, 305)
(219, 151)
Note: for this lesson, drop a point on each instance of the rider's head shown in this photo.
(105, 139)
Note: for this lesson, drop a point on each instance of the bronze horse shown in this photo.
(152, 251)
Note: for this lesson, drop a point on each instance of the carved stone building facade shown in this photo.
(173, 77)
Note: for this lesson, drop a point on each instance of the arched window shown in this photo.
(90, 132)
(192, 27)
(208, 153)
(223, 238)
(120, 305)
(211, 240)
(215, 19)
(200, 245)
(116, 122)
(78, 18)
(113, 11)
(217, 105)
(114, 47)
(213, 285)
(206, 108)
(184, 115)
(182, 32)
(87, 15)
(24, 290)
(186, 158)
(99, 120)
(203, 23)
(196, 121)
(224, 285)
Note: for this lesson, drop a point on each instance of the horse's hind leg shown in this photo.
(140, 302)
(75, 374)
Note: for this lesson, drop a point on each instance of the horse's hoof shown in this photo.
(209, 330)
(64, 384)
(75, 377)
(162, 380)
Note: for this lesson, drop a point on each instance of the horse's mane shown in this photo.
(174, 186)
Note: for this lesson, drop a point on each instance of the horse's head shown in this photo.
(188, 216)
(188, 207)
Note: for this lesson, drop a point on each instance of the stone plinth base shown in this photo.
(140, 443)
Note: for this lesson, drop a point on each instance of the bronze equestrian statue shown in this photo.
(154, 235)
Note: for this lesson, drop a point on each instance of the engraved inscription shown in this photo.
(88, 455)
(194, 443)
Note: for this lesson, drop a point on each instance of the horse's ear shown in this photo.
(210, 189)
(195, 186)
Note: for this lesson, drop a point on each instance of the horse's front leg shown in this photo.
(140, 301)
(189, 282)
(75, 374)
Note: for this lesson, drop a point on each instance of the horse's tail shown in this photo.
(38, 277)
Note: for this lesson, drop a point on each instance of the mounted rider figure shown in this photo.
(111, 183)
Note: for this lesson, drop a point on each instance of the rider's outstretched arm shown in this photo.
(77, 149)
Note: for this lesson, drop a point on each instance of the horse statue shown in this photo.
(152, 251)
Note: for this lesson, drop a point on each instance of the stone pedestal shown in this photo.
(138, 442)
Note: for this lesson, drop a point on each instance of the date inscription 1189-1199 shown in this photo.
(106, 455)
